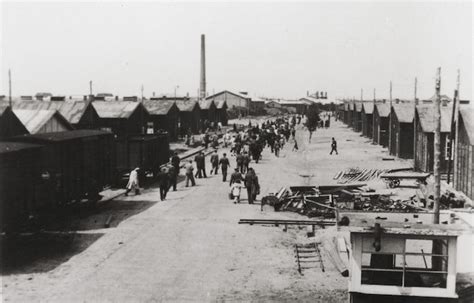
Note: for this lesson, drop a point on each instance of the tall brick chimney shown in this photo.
(202, 87)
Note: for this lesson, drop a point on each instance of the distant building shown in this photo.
(357, 116)
(208, 110)
(221, 112)
(232, 99)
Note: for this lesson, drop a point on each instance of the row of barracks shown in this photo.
(124, 117)
(407, 128)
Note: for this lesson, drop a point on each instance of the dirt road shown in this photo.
(190, 247)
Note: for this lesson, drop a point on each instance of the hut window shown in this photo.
(150, 127)
(422, 263)
(447, 149)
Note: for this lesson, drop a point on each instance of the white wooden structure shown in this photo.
(413, 263)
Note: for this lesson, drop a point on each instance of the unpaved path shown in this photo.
(190, 247)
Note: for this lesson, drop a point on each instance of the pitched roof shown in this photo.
(383, 109)
(404, 112)
(368, 107)
(220, 104)
(232, 93)
(115, 109)
(186, 106)
(158, 107)
(467, 114)
(35, 119)
(206, 103)
(427, 119)
(442, 97)
(72, 111)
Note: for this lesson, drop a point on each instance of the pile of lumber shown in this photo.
(355, 174)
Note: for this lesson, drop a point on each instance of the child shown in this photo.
(235, 190)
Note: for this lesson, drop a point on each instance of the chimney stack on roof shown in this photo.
(202, 87)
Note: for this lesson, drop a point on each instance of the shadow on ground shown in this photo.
(108, 214)
(41, 252)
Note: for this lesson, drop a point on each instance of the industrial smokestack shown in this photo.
(202, 87)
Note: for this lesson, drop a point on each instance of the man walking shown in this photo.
(214, 162)
(175, 160)
(245, 162)
(251, 183)
(162, 178)
(239, 159)
(334, 147)
(189, 173)
(224, 163)
(200, 165)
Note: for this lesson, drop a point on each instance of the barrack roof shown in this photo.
(115, 109)
(404, 112)
(35, 119)
(368, 107)
(159, 107)
(427, 119)
(186, 105)
(383, 109)
(205, 103)
(71, 110)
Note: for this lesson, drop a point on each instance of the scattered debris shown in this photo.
(355, 174)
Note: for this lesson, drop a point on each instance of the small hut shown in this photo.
(424, 137)
(164, 116)
(357, 117)
(367, 119)
(464, 157)
(208, 112)
(402, 131)
(189, 117)
(123, 118)
(381, 124)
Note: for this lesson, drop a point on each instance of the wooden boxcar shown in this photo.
(148, 152)
(19, 176)
(75, 165)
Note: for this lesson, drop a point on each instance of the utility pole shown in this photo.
(90, 90)
(415, 103)
(142, 92)
(374, 94)
(10, 88)
(361, 94)
(437, 151)
(453, 128)
(390, 121)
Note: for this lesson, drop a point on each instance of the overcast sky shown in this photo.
(267, 49)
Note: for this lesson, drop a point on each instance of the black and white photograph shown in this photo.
(237, 151)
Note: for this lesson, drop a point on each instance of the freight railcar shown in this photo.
(148, 152)
(75, 165)
(19, 177)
